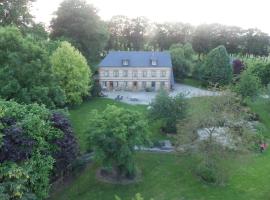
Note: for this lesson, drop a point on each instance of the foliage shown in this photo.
(238, 66)
(25, 73)
(235, 39)
(182, 59)
(71, 70)
(113, 134)
(14, 181)
(248, 85)
(217, 68)
(33, 142)
(126, 33)
(168, 109)
(261, 70)
(74, 15)
(15, 12)
(67, 145)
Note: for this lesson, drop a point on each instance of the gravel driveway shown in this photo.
(145, 98)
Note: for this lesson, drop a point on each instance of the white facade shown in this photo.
(135, 78)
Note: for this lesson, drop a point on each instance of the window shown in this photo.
(125, 84)
(162, 84)
(125, 73)
(153, 73)
(144, 84)
(163, 73)
(106, 73)
(115, 84)
(134, 74)
(144, 73)
(104, 83)
(125, 62)
(115, 73)
(153, 62)
(153, 84)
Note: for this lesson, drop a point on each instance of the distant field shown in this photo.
(168, 176)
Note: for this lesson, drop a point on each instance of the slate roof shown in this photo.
(136, 59)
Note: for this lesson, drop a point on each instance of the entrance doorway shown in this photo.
(135, 85)
(111, 85)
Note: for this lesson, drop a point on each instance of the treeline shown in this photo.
(140, 34)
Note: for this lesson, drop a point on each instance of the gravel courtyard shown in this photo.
(145, 98)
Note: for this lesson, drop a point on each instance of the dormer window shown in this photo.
(125, 62)
(153, 62)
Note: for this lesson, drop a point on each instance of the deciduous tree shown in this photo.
(71, 70)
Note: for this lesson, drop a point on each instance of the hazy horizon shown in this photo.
(245, 14)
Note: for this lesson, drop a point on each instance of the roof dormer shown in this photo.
(125, 62)
(153, 62)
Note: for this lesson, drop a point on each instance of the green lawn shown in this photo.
(168, 176)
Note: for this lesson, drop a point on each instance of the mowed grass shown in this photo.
(169, 176)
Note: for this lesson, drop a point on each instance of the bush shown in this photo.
(248, 85)
(32, 141)
(168, 109)
(238, 66)
(113, 135)
(217, 68)
(262, 71)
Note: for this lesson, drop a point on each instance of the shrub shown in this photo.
(168, 109)
(113, 135)
(248, 85)
(238, 66)
(32, 140)
(217, 68)
(67, 145)
(262, 71)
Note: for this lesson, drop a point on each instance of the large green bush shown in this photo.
(248, 85)
(25, 72)
(168, 110)
(32, 141)
(217, 67)
(261, 70)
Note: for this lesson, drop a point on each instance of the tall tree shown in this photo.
(126, 33)
(256, 42)
(72, 72)
(15, 12)
(167, 34)
(25, 71)
(78, 21)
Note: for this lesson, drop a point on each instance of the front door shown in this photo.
(135, 85)
(111, 85)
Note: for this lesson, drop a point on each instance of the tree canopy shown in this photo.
(15, 12)
(25, 71)
(71, 70)
(113, 135)
(79, 23)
